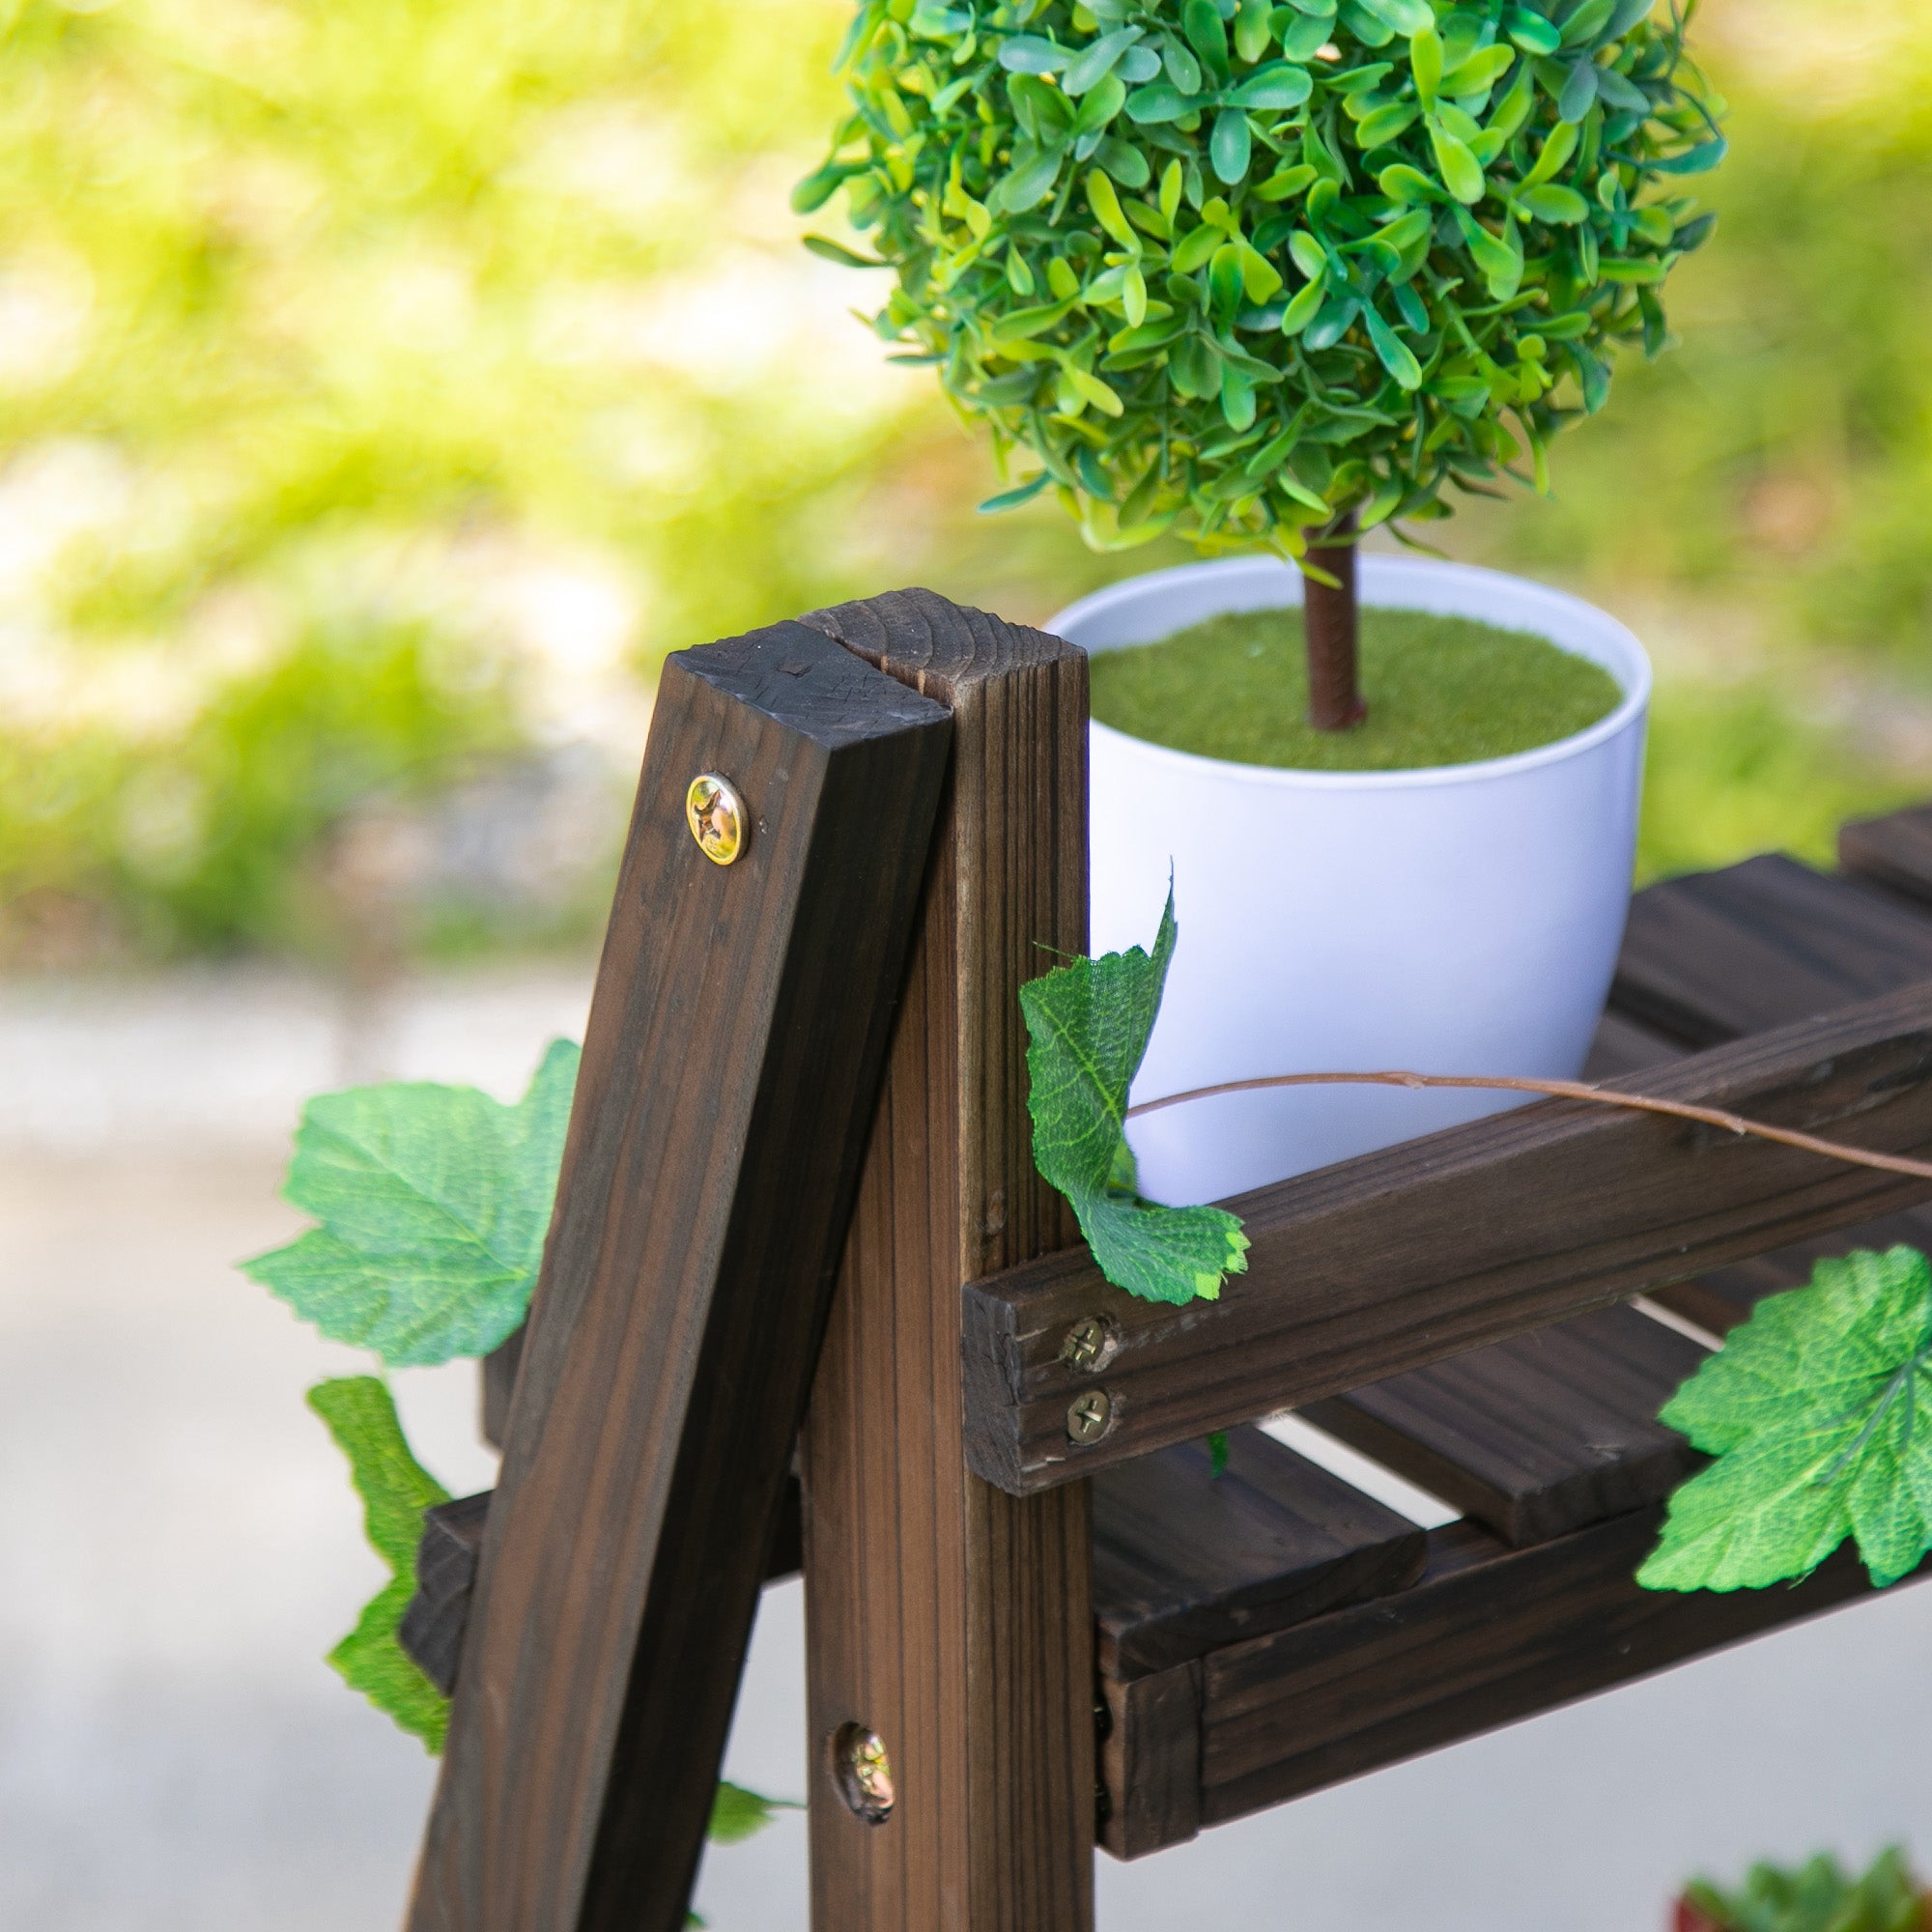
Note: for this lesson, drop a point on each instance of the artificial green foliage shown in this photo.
(738, 1814)
(1088, 1025)
(1236, 270)
(1816, 1897)
(434, 1203)
(1811, 1409)
(395, 1489)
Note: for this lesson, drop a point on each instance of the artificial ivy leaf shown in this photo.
(738, 1814)
(1812, 1411)
(1087, 1026)
(395, 1489)
(433, 1204)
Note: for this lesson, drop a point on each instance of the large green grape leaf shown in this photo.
(395, 1489)
(1088, 1025)
(1811, 1409)
(434, 1203)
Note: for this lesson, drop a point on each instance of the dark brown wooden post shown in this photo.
(948, 1619)
(728, 1083)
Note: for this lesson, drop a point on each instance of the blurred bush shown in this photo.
(386, 384)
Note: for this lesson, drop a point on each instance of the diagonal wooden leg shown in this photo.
(945, 1618)
(734, 1047)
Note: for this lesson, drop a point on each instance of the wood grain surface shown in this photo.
(437, 1617)
(1185, 1560)
(1717, 955)
(1538, 1434)
(1426, 1250)
(433, 1626)
(1792, 939)
(1895, 850)
(1188, 1562)
(729, 1079)
(953, 1621)
(1489, 1637)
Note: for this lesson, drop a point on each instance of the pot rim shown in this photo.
(1634, 675)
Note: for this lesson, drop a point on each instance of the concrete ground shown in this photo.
(178, 1547)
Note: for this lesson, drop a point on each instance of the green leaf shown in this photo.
(1012, 500)
(1580, 92)
(1274, 89)
(1217, 1453)
(1386, 124)
(1405, 17)
(1479, 72)
(1404, 183)
(1029, 53)
(1087, 1026)
(1557, 150)
(1698, 160)
(1149, 106)
(1201, 22)
(433, 1204)
(820, 187)
(1394, 354)
(1531, 32)
(1230, 145)
(1561, 207)
(1812, 1411)
(1106, 206)
(1817, 1897)
(836, 251)
(1098, 61)
(1027, 185)
(738, 1814)
(1286, 183)
(395, 1489)
(1462, 172)
(1587, 21)
(1196, 248)
(1424, 60)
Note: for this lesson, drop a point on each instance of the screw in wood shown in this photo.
(715, 815)
(1090, 1343)
(863, 1772)
(1089, 1416)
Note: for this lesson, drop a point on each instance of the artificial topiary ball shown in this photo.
(1255, 273)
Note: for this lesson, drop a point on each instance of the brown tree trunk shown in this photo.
(1334, 692)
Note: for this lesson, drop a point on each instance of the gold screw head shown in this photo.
(863, 1773)
(1089, 1416)
(715, 815)
(1089, 1344)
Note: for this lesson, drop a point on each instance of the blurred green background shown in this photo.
(387, 385)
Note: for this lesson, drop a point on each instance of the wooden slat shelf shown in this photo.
(1549, 1439)
(1185, 1562)
(1487, 1637)
(1424, 1250)
(1538, 1435)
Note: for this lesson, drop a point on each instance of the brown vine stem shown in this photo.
(1562, 1090)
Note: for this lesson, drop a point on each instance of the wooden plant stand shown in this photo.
(804, 1299)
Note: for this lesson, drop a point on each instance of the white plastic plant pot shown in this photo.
(1463, 918)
